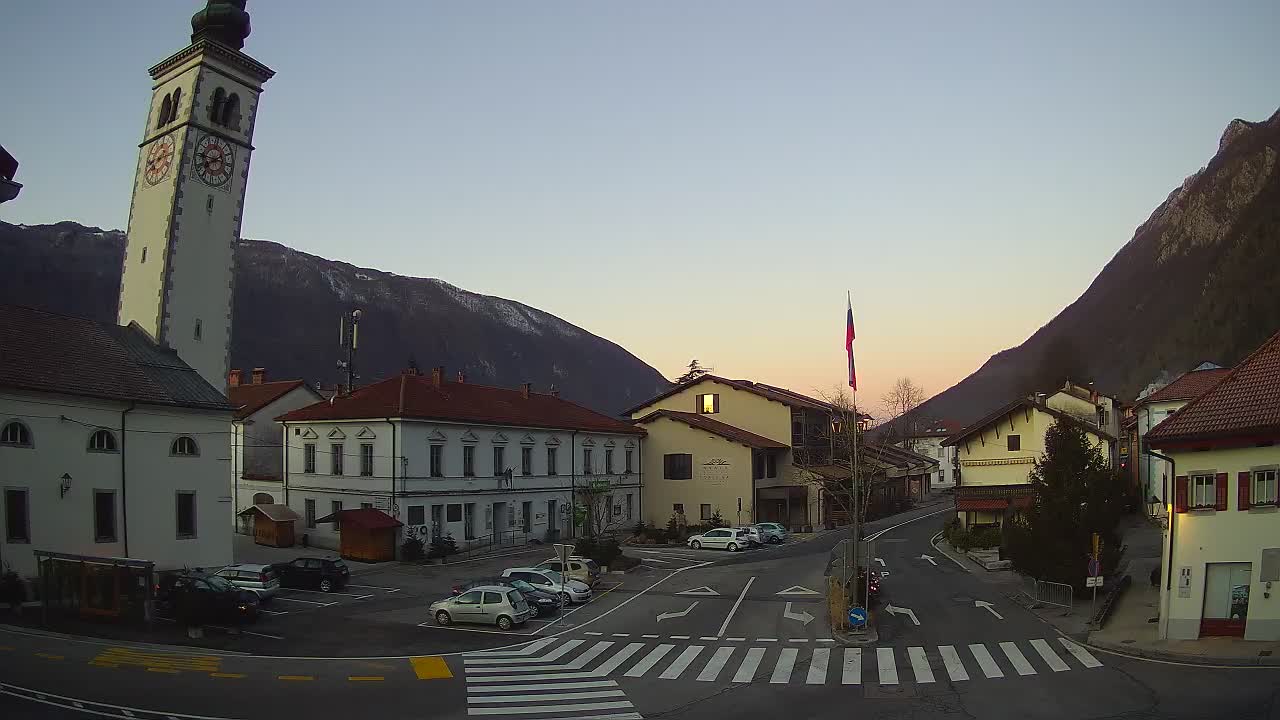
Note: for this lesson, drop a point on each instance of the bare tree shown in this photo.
(595, 508)
(694, 372)
(900, 403)
(829, 469)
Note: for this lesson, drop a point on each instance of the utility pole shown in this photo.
(348, 338)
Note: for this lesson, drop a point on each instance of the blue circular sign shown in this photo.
(857, 616)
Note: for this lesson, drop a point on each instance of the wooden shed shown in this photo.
(366, 534)
(272, 524)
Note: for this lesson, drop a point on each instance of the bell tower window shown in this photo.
(215, 109)
(173, 109)
(166, 106)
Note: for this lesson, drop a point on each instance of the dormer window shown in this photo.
(708, 404)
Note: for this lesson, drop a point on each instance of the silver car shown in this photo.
(261, 580)
(484, 605)
(773, 532)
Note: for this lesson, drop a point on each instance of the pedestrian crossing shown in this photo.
(572, 672)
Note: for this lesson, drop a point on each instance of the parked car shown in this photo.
(721, 538)
(198, 598)
(486, 605)
(773, 532)
(582, 569)
(753, 535)
(313, 573)
(570, 591)
(541, 602)
(261, 580)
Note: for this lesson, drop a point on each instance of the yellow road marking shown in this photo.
(127, 656)
(227, 675)
(96, 663)
(5, 647)
(294, 677)
(365, 678)
(48, 656)
(168, 671)
(430, 667)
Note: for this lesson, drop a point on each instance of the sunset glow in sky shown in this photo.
(686, 179)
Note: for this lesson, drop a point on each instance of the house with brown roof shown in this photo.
(735, 447)
(1154, 475)
(997, 453)
(926, 438)
(1222, 540)
(483, 464)
(257, 460)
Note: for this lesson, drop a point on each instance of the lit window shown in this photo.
(185, 446)
(709, 403)
(102, 441)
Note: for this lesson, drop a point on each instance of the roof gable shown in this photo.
(1031, 404)
(769, 392)
(249, 399)
(715, 427)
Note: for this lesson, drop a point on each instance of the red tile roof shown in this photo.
(416, 397)
(1245, 402)
(715, 427)
(1188, 386)
(249, 399)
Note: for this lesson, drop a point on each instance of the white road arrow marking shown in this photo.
(804, 617)
(682, 613)
(902, 611)
(704, 590)
(930, 559)
(987, 605)
(798, 590)
(881, 561)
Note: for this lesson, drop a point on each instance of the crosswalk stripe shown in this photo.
(1080, 654)
(588, 695)
(472, 680)
(887, 666)
(818, 666)
(595, 651)
(920, 665)
(675, 669)
(985, 661)
(951, 661)
(541, 686)
(1018, 660)
(649, 661)
(529, 649)
(550, 657)
(1050, 657)
(747, 670)
(618, 658)
(532, 709)
(852, 672)
(782, 670)
(716, 664)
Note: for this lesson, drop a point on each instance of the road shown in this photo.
(692, 634)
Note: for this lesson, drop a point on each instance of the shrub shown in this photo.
(640, 529)
(673, 526)
(443, 546)
(658, 536)
(411, 550)
(12, 590)
(717, 520)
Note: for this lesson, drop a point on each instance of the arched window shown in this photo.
(165, 107)
(173, 111)
(15, 434)
(263, 499)
(184, 445)
(215, 108)
(231, 112)
(102, 441)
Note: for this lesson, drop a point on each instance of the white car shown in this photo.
(753, 534)
(570, 591)
(721, 538)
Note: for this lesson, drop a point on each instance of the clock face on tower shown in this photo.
(159, 159)
(214, 160)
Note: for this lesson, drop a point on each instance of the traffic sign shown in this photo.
(1095, 568)
(1093, 582)
(857, 617)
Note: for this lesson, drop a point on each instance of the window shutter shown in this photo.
(1220, 487)
(1242, 491)
(715, 401)
(1180, 494)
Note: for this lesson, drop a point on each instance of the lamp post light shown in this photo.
(65, 486)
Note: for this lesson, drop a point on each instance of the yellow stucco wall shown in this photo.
(718, 484)
(1220, 536)
(738, 408)
(985, 457)
(1069, 403)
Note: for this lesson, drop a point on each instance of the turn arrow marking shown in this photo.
(881, 561)
(704, 590)
(804, 617)
(682, 613)
(987, 605)
(902, 611)
(930, 559)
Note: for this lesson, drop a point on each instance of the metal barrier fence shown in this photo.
(1052, 593)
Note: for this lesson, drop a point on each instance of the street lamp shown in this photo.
(65, 486)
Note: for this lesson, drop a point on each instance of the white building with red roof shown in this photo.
(256, 440)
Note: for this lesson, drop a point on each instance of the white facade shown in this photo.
(1154, 474)
(139, 486)
(931, 447)
(387, 465)
(257, 457)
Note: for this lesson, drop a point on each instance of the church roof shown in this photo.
(47, 352)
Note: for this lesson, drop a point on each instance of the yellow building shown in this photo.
(1221, 551)
(729, 446)
(997, 453)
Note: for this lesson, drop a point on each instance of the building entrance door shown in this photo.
(1226, 599)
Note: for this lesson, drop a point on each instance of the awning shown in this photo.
(363, 518)
(982, 504)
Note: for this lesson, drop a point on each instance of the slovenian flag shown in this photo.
(848, 345)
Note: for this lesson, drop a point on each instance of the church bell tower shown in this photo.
(188, 194)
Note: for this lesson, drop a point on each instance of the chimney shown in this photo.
(259, 374)
(462, 377)
(437, 375)
(524, 390)
(233, 378)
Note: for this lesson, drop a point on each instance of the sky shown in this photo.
(703, 179)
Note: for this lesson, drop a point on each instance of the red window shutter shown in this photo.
(1180, 494)
(1242, 491)
(1220, 487)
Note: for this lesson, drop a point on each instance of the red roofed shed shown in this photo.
(366, 534)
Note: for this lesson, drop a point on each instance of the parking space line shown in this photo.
(295, 677)
(233, 676)
(273, 612)
(431, 624)
(376, 587)
(430, 667)
(321, 592)
(308, 602)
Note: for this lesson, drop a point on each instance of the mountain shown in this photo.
(1199, 280)
(287, 305)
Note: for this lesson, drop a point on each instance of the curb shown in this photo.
(1167, 656)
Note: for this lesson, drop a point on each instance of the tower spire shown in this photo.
(223, 21)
